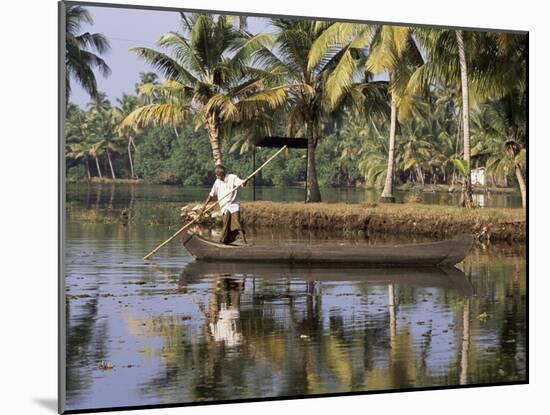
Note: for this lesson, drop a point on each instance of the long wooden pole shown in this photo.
(209, 208)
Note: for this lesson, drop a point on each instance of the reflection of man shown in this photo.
(225, 312)
(230, 206)
(225, 328)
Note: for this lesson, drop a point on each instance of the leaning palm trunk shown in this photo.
(522, 187)
(387, 193)
(467, 200)
(111, 164)
(97, 166)
(132, 173)
(313, 194)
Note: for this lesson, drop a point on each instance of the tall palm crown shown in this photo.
(80, 59)
(210, 75)
(369, 49)
(316, 71)
(496, 63)
(395, 52)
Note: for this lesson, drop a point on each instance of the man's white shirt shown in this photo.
(222, 187)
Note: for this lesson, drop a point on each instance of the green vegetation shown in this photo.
(381, 106)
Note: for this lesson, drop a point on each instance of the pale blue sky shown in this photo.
(127, 28)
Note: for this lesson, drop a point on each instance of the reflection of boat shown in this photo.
(446, 278)
(441, 253)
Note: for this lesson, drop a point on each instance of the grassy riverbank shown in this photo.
(437, 221)
(418, 219)
(446, 188)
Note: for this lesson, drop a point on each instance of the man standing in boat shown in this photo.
(230, 206)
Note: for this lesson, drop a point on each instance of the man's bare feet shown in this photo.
(243, 238)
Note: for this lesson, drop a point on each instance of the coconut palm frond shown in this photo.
(169, 67)
(156, 115)
(334, 36)
(260, 101)
(80, 60)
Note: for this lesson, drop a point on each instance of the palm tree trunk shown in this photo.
(111, 164)
(420, 174)
(313, 193)
(132, 173)
(87, 164)
(214, 137)
(387, 193)
(97, 166)
(522, 187)
(467, 187)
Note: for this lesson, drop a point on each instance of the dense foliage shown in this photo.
(356, 154)
(221, 87)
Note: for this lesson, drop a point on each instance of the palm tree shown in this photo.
(146, 78)
(318, 62)
(373, 160)
(500, 128)
(369, 148)
(103, 124)
(442, 69)
(99, 102)
(76, 148)
(467, 188)
(209, 76)
(427, 144)
(484, 65)
(394, 52)
(127, 104)
(82, 142)
(80, 59)
(391, 51)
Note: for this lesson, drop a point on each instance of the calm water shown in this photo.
(176, 331)
(165, 193)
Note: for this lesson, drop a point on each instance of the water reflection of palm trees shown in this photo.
(321, 353)
(298, 331)
(85, 345)
(259, 331)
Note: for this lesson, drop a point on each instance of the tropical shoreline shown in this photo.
(411, 188)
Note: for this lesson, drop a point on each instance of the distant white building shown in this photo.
(479, 199)
(478, 176)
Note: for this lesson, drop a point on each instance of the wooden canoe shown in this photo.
(451, 279)
(445, 253)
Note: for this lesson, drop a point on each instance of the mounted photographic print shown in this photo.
(257, 207)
